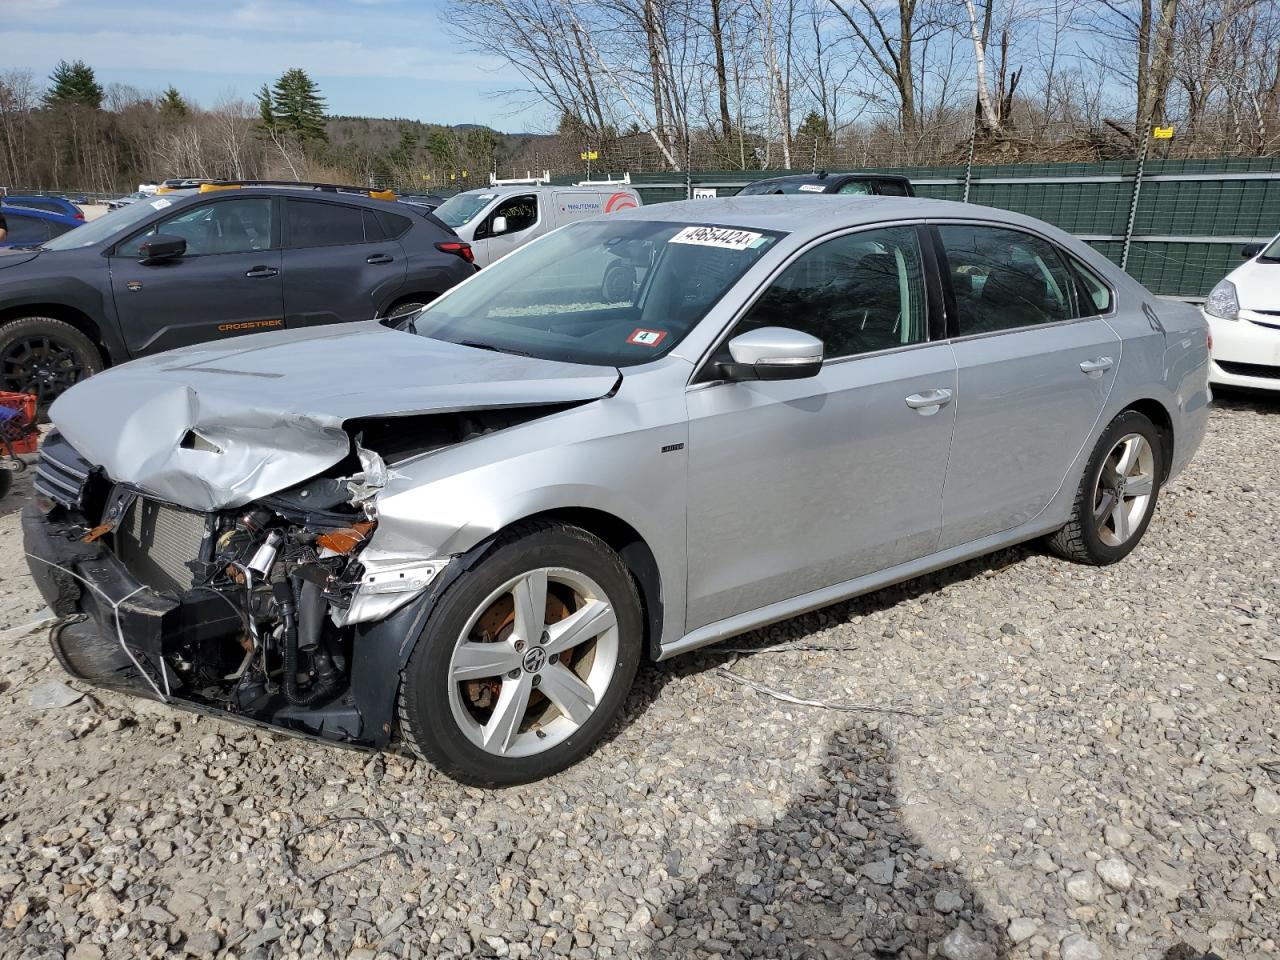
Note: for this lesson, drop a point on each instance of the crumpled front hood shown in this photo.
(272, 406)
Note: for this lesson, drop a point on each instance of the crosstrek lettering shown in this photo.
(249, 325)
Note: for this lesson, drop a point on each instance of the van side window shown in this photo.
(521, 212)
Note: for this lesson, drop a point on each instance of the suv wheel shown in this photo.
(526, 660)
(44, 356)
(1117, 494)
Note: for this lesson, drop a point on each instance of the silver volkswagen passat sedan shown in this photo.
(467, 532)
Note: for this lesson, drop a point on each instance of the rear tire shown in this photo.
(45, 356)
(1117, 494)
(526, 660)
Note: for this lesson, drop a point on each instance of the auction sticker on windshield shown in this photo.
(646, 338)
(722, 237)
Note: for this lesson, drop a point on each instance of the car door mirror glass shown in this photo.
(499, 225)
(773, 353)
(162, 247)
(1250, 250)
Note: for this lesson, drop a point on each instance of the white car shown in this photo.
(1244, 318)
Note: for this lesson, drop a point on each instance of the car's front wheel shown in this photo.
(526, 660)
(1117, 495)
(44, 356)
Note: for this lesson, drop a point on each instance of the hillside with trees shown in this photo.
(75, 134)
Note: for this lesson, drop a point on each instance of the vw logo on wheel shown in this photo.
(535, 659)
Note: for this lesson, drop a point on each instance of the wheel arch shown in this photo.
(422, 296)
(67, 314)
(1159, 415)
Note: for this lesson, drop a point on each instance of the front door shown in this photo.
(227, 284)
(797, 485)
(339, 265)
(1035, 366)
(519, 223)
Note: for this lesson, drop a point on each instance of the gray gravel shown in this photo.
(1085, 765)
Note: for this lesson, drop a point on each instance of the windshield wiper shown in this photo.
(489, 346)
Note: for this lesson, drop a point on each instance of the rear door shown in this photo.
(1035, 365)
(228, 282)
(339, 263)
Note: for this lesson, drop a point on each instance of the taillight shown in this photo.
(457, 248)
(78, 215)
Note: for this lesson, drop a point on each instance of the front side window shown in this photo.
(1004, 279)
(225, 226)
(858, 293)
(855, 188)
(314, 223)
(618, 292)
(521, 214)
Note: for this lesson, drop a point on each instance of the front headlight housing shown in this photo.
(1222, 302)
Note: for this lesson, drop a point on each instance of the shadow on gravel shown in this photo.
(1257, 401)
(836, 874)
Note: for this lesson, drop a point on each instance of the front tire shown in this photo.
(526, 660)
(1117, 495)
(45, 356)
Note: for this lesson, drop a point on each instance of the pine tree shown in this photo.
(402, 155)
(266, 110)
(171, 104)
(297, 107)
(73, 84)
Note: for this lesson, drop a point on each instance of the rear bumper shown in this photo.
(1245, 353)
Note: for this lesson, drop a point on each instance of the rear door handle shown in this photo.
(256, 273)
(929, 402)
(1097, 366)
(380, 258)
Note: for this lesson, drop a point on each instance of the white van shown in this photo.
(497, 219)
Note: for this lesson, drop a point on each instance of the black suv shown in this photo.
(879, 184)
(217, 260)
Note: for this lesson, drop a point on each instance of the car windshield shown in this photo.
(105, 227)
(1272, 253)
(460, 210)
(785, 186)
(617, 292)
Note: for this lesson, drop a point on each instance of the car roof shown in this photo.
(301, 192)
(832, 177)
(506, 189)
(816, 215)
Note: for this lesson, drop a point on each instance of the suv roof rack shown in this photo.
(210, 186)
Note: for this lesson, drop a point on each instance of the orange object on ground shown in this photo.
(18, 433)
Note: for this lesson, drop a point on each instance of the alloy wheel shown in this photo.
(1123, 492)
(534, 661)
(43, 365)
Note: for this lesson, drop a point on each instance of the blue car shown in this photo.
(34, 228)
(48, 204)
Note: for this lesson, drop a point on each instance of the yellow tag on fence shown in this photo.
(1162, 133)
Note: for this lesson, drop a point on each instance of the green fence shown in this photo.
(1191, 219)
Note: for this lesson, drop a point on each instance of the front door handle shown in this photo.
(380, 258)
(257, 273)
(929, 402)
(1097, 366)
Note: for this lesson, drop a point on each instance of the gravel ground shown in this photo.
(1046, 760)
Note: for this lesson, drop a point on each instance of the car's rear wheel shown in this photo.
(44, 356)
(1117, 494)
(526, 660)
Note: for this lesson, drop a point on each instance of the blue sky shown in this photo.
(378, 58)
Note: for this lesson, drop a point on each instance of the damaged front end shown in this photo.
(277, 612)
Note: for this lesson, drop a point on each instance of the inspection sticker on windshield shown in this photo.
(161, 203)
(646, 338)
(717, 237)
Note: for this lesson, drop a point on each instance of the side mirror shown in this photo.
(162, 247)
(773, 353)
(1251, 250)
(499, 226)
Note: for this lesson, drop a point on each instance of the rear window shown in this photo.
(25, 231)
(317, 224)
